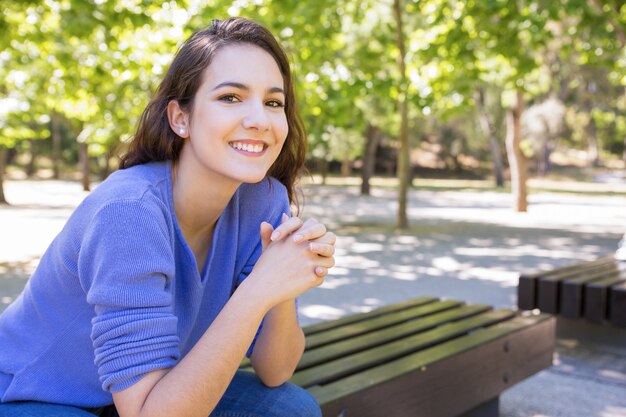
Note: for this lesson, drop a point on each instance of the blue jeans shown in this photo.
(246, 396)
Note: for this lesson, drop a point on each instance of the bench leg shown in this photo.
(490, 408)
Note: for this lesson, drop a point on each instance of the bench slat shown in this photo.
(572, 294)
(370, 340)
(617, 305)
(527, 288)
(361, 327)
(334, 370)
(548, 288)
(434, 381)
(354, 318)
(367, 322)
(597, 298)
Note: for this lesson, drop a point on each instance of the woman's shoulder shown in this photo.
(144, 184)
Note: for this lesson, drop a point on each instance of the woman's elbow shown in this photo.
(274, 379)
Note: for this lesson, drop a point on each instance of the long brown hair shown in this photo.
(155, 140)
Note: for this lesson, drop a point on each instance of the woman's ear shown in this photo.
(179, 120)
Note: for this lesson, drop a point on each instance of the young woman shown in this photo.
(182, 261)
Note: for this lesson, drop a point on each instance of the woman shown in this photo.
(184, 260)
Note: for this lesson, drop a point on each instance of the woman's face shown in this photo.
(238, 126)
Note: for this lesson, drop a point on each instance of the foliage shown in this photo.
(96, 62)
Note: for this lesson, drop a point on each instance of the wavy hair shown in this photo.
(154, 140)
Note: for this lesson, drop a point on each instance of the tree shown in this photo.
(403, 153)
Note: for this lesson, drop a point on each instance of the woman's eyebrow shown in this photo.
(241, 86)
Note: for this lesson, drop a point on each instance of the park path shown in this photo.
(461, 244)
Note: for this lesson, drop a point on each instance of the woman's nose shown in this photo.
(256, 117)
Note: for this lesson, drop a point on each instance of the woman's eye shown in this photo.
(230, 98)
(275, 103)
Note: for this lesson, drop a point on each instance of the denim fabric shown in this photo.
(246, 396)
(36, 409)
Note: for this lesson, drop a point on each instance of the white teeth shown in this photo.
(247, 147)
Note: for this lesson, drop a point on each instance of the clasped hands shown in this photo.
(320, 241)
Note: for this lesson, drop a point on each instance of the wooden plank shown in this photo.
(448, 379)
(548, 288)
(490, 408)
(527, 292)
(336, 369)
(569, 268)
(362, 327)
(572, 291)
(343, 348)
(527, 285)
(617, 305)
(359, 323)
(596, 299)
(354, 318)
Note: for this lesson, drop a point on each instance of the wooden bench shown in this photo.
(591, 290)
(423, 357)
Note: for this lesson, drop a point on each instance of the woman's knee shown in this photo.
(247, 396)
(295, 401)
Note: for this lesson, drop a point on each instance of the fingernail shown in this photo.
(285, 217)
(275, 235)
(298, 238)
(313, 247)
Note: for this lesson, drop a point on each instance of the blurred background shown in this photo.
(493, 90)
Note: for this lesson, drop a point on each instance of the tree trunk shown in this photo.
(32, 149)
(345, 167)
(324, 169)
(593, 154)
(56, 144)
(403, 153)
(83, 156)
(369, 158)
(105, 169)
(3, 159)
(489, 131)
(517, 161)
(546, 150)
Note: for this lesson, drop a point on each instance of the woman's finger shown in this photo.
(328, 237)
(266, 231)
(322, 249)
(286, 228)
(312, 231)
(321, 272)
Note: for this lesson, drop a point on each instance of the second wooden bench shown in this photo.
(593, 290)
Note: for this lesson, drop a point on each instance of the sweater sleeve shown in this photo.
(126, 262)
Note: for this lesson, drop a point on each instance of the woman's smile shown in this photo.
(249, 147)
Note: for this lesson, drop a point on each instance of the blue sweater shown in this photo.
(118, 293)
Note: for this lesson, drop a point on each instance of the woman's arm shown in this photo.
(280, 344)
(193, 387)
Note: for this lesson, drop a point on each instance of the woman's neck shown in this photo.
(199, 201)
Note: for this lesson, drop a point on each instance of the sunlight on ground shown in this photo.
(321, 312)
(614, 412)
(613, 374)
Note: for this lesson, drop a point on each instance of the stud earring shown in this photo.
(182, 131)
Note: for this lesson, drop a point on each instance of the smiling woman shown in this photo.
(184, 260)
